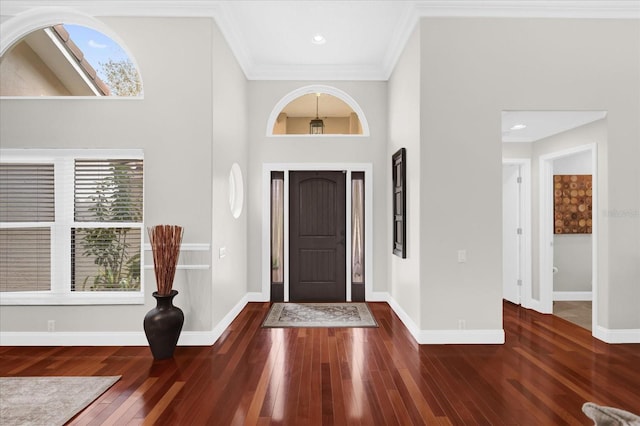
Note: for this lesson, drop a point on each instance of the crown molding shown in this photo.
(306, 72)
(147, 8)
(618, 9)
(578, 9)
(399, 40)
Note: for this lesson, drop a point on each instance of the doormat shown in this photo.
(48, 400)
(283, 315)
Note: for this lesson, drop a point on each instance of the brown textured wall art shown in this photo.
(572, 204)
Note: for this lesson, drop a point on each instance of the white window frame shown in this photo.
(60, 293)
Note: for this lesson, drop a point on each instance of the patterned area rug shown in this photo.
(319, 315)
(48, 400)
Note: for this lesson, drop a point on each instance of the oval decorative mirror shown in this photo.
(236, 190)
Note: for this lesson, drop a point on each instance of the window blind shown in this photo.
(25, 259)
(107, 258)
(27, 196)
(108, 190)
(27, 193)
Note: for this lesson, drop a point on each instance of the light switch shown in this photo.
(462, 256)
(222, 252)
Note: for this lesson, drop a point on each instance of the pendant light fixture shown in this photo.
(316, 126)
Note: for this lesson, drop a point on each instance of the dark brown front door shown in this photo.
(317, 261)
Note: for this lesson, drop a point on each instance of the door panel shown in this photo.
(317, 215)
(511, 240)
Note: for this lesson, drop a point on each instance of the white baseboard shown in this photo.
(572, 295)
(207, 338)
(462, 337)
(442, 337)
(74, 338)
(630, 335)
(379, 296)
(128, 338)
(224, 323)
(99, 338)
(257, 297)
(408, 322)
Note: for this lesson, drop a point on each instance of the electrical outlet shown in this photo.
(51, 325)
(462, 324)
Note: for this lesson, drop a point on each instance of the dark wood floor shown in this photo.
(543, 374)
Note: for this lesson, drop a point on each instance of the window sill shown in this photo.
(56, 299)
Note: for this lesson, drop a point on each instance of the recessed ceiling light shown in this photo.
(518, 126)
(318, 39)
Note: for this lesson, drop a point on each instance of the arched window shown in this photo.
(317, 110)
(64, 59)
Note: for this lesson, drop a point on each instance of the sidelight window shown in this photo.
(357, 236)
(277, 232)
(355, 207)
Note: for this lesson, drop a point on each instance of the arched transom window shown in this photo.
(317, 110)
(65, 59)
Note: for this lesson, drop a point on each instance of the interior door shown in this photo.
(511, 236)
(317, 227)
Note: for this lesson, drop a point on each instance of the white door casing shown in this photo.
(547, 223)
(267, 168)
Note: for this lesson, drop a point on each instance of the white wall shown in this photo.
(472, 70)
(371, 96)
(516, 150)
(461, 176)
(191, 126)
(230, 145)
(572, 252)
(404, 131)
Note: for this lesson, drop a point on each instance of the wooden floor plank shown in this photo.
(163, 404)
(131, 400)
(544, 372)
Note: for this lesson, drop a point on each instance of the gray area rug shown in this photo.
(319, 315)
(48, 400)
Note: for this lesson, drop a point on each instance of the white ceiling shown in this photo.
(275, 37)
(542, 124)
(272, 39)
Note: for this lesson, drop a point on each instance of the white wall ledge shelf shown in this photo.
(184, 267)
(184, 249)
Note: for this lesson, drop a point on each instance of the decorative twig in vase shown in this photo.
(165, 244)
(163, 324)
